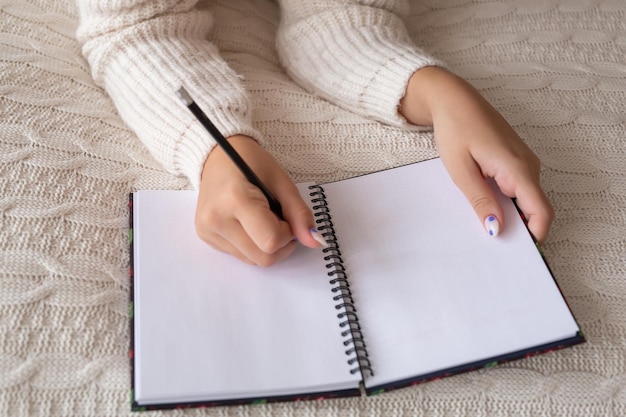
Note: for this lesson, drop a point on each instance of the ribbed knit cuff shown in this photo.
(196, 143)
(360, 58)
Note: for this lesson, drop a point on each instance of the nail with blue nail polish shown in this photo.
(317, 236)
(492, 225)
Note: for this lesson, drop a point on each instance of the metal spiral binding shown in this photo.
(356, 350)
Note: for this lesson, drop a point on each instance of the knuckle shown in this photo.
(270, 244)
(528, 162)
(207, 220)
(480, 201)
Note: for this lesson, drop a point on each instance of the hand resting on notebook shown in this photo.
(475, 142)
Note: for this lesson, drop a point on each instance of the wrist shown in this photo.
(217, 154)
(433, 92)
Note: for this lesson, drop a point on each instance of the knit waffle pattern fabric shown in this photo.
(556, 70)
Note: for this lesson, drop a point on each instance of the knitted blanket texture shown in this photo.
(556, 69)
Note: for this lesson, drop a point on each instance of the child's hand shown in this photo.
(474, 142)
(233, 215)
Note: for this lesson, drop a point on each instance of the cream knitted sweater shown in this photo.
(354, 53)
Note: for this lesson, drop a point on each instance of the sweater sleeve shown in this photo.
(141, 52)
(354, 53)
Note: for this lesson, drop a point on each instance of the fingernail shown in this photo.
(317, 236)
(492, 225)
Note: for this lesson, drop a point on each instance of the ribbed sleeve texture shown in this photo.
(141, 53)
(354, 54)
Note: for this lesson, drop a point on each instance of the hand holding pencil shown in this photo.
(241, 214)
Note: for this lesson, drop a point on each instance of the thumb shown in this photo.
(299, 216)
(469, 179)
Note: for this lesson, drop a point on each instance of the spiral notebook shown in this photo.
(411, 289)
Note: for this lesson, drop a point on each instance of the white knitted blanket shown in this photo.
(555, 69)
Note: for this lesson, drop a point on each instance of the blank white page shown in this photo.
(432, 289)
(209, 327)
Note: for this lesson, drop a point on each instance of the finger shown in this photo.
(265, 231)
(220, 244)
(240, 245)
(299, 216)
(469, 179)
(230, 237)
(536, 208)
(217, 242)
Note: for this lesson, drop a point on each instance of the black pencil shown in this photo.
(230, 151)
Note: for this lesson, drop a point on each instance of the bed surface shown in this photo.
(555, 69)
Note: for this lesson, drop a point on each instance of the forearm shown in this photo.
(141, 53)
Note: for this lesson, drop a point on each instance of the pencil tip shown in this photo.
(184, 96)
